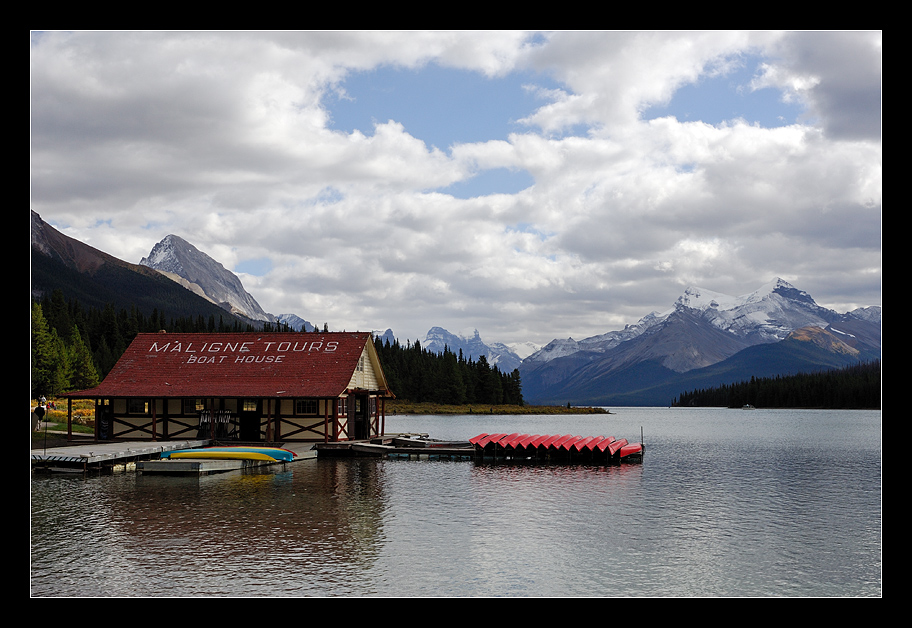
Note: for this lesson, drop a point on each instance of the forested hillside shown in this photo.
(856, 386)
(73, 347)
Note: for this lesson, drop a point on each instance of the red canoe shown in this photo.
(614, 446)
(603, 445)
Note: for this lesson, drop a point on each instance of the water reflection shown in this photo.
(716, 509)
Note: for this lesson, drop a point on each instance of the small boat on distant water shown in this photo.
(748, 406)
(274, 454)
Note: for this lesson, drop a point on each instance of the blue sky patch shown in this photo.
(440, 106)
(718, 99)
(256, 267)
(494, 181)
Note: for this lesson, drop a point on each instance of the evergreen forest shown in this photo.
(418, 375)
(74, 347)
(857, 386)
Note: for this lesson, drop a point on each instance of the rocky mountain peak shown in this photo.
(183, 262)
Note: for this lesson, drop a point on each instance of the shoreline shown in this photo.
(407, 407)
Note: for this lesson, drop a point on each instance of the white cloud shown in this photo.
(838, 74)
(225, 139)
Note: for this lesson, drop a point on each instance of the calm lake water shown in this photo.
(726, 503)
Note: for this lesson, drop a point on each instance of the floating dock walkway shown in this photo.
(412, 446)
(146, 457)
(161, 457)
(104, 456)
(544, 448)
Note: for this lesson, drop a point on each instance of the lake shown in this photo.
(757, 503)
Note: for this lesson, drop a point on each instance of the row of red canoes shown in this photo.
(558, 442)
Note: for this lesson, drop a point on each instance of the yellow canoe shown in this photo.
(223, 455)
(271, 454)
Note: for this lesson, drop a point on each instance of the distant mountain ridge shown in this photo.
(295, 322)
(497, 354)
(702, 333)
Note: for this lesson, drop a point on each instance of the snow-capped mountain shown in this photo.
(524, 349)
(385, 336)
(295, 322)
(702, 329)
(497, 354)
(872, 314)
(767, 314)
(559, 348)
(196, 271)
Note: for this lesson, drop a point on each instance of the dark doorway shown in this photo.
(360, 416)
(105, 414)
(250, 412)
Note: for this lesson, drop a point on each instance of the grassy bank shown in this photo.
(407, 407)
(83, 412)
(54, 434)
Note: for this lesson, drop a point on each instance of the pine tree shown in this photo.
(49, 359)
(84, 374)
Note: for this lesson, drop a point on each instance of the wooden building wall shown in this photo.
(290, 419)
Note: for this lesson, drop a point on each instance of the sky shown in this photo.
(530, 185)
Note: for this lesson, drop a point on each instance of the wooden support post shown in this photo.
(326, 403)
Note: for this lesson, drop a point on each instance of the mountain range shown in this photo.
(705, 339)
(497, 354)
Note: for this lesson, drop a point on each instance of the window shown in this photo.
(138, 406)
(249, 405)
(306, 406)
(192, 406)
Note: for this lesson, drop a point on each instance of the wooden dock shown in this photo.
(412, 446)
(144, 456)
(101, 456)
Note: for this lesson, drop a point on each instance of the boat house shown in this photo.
(268, 387)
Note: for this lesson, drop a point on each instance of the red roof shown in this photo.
(237, 365)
